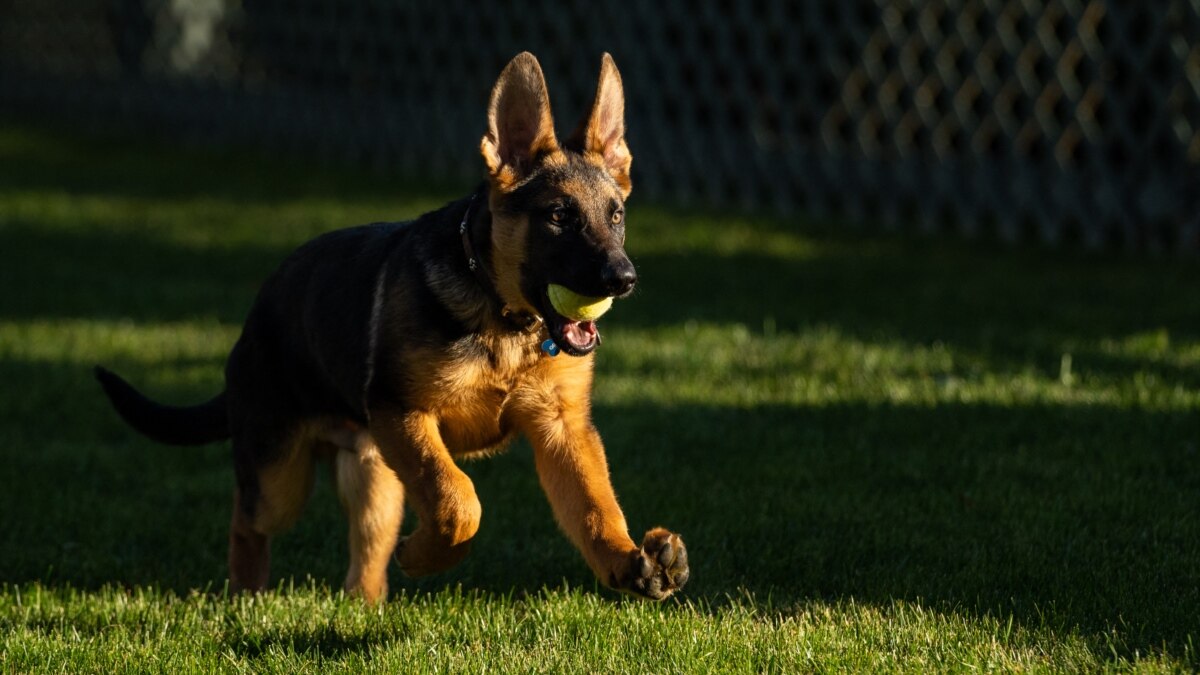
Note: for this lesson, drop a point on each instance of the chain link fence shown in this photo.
(1066, 121)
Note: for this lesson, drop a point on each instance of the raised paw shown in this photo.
(658, 568)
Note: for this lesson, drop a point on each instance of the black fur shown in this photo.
(304, 346)
(185, 425)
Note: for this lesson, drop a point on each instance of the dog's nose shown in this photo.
(619, 276)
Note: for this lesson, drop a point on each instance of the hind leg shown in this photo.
(267, 501)
(249, 550)
(374, 502)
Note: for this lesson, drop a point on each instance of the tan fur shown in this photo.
(442, 495)
(373, 499)
(249, 550)
(552, 408)
(508, 254)
(520, 93)
(601, 137)
(285, 486)
(475, 402)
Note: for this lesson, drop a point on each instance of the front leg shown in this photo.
(442, 495)
(574, 474)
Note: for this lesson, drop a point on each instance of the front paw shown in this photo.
(658, 568)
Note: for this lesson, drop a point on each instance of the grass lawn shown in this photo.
(885, 453)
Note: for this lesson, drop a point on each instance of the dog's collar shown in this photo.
(517, 319)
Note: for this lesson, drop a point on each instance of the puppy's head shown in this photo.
(558, 210)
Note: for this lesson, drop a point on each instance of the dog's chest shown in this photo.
(475, 385)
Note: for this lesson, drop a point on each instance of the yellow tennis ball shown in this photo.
(575, 306)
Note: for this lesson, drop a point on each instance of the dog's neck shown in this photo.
(476, 226)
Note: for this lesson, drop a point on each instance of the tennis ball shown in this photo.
(575, 306)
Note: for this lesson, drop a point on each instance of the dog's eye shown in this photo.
(564, 217)
(618, 217)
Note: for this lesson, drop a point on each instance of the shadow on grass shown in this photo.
(959, 298)
(1062, 516)
(325, 640)
(105, 275)
(1006, 312)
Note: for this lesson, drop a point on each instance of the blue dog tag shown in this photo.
(550, 347)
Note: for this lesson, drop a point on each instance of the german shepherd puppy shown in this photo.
(397, 349)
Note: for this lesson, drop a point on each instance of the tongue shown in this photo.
(580, 333)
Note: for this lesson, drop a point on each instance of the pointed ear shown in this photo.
(601, 135)
(520, 127)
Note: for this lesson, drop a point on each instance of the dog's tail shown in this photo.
(174, 425)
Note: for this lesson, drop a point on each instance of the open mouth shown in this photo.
(573, 337)
(576, 338)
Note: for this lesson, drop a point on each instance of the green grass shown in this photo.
(885, 453)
